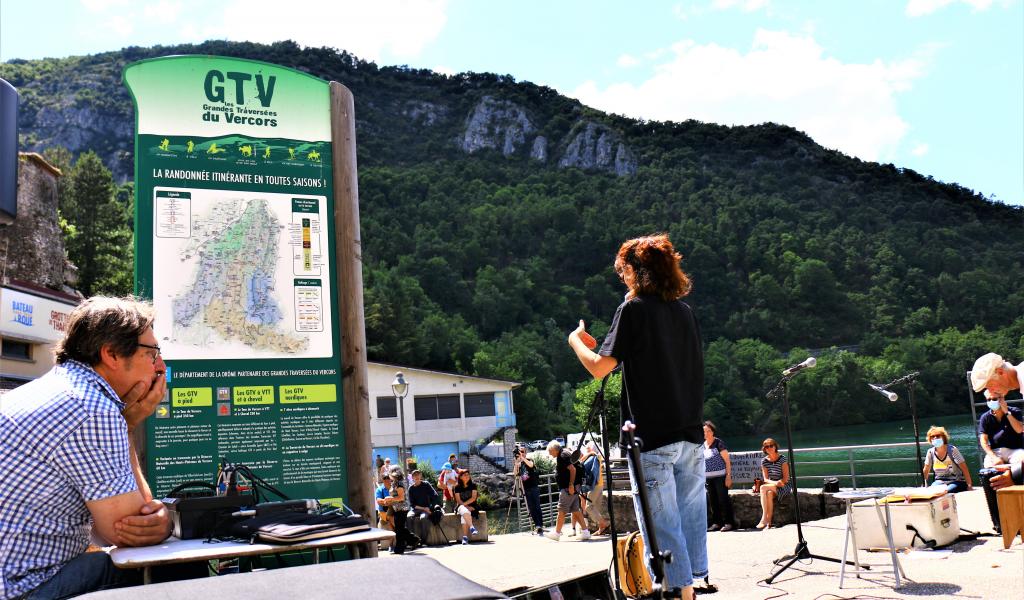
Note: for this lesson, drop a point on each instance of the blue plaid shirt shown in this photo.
(63, 442)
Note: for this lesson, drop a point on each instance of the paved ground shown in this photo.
(741, 560)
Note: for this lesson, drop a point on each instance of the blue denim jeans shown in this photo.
(89, 572)
(674, 475)
(533, 504)
(952, 487)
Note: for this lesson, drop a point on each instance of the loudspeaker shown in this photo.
(8, 153)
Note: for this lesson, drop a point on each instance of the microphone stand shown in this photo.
(802, 551)
(599, 410)
(910, 379)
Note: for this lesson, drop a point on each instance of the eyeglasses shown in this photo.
(154, 356)
(766, 446)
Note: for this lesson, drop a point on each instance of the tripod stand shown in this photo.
(518, 494)
(802, 551)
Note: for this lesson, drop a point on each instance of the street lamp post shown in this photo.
(400, 389)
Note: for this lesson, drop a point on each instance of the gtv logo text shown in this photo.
(214, 86)
(228, 93)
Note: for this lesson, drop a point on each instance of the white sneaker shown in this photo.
(553, 535)
(585, 534)
(465, 541)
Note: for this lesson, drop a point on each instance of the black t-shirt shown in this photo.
(531, 480)
(1000, 433)
(422, 495)
(465, 492)
(562, 463)
(658, 344)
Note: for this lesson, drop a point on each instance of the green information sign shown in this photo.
(234, 243)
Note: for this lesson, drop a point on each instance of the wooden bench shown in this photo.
(1011, 512)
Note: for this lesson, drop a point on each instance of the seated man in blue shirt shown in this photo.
(381, 495)
(67, 468)
(1000, 430)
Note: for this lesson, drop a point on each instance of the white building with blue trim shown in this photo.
(444, 413)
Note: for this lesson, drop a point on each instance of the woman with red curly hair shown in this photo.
(655, 335)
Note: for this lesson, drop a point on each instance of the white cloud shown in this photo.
(919, 8)
(783, 78)
(627, 60)
(368, 28)
(919, 149)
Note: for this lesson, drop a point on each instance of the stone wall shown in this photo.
(497, 485)
(509, 442)
(32, 248)
(478, 465)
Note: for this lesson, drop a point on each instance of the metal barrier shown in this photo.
(548, 504)
(855, 468)
(549, 496)
(858, 467)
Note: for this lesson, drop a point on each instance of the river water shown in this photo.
(962, 432)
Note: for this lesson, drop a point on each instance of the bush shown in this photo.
(545, 464)
(429, 473)
(484, 501)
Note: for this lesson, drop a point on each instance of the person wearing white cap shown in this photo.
(1000, 429)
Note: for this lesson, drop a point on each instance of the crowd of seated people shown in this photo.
(409, 505)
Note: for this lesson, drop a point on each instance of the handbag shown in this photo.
(634, 578)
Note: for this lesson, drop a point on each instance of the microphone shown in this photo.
(807, 364)
(892, 396)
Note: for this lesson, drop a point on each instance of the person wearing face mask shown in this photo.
(947, 461)
(1000, 430)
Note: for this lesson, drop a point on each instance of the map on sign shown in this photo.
(242, 275)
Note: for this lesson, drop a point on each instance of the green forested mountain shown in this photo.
(492, 209)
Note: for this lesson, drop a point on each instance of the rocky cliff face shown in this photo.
(505, 126)
(539, 151)
(596, 147)
(402, 116)
(496, 124)
(425, 113)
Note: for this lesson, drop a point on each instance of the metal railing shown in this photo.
(549, 495)
(859, 467)
(849, 465)
(548, 503)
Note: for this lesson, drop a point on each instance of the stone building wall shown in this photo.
(32, 248)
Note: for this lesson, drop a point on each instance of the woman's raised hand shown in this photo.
(587, 339)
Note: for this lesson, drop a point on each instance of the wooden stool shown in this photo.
(1011, 512)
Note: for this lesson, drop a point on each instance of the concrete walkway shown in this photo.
(741, 560)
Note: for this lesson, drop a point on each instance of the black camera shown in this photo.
(986, 474)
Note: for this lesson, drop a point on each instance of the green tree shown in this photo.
(101, 246)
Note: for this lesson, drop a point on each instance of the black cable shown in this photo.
(762, 584)
(188, 484)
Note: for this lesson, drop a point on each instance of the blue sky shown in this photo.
(932, 85)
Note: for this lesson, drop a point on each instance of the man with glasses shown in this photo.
(68, 471)
(1000, 429)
